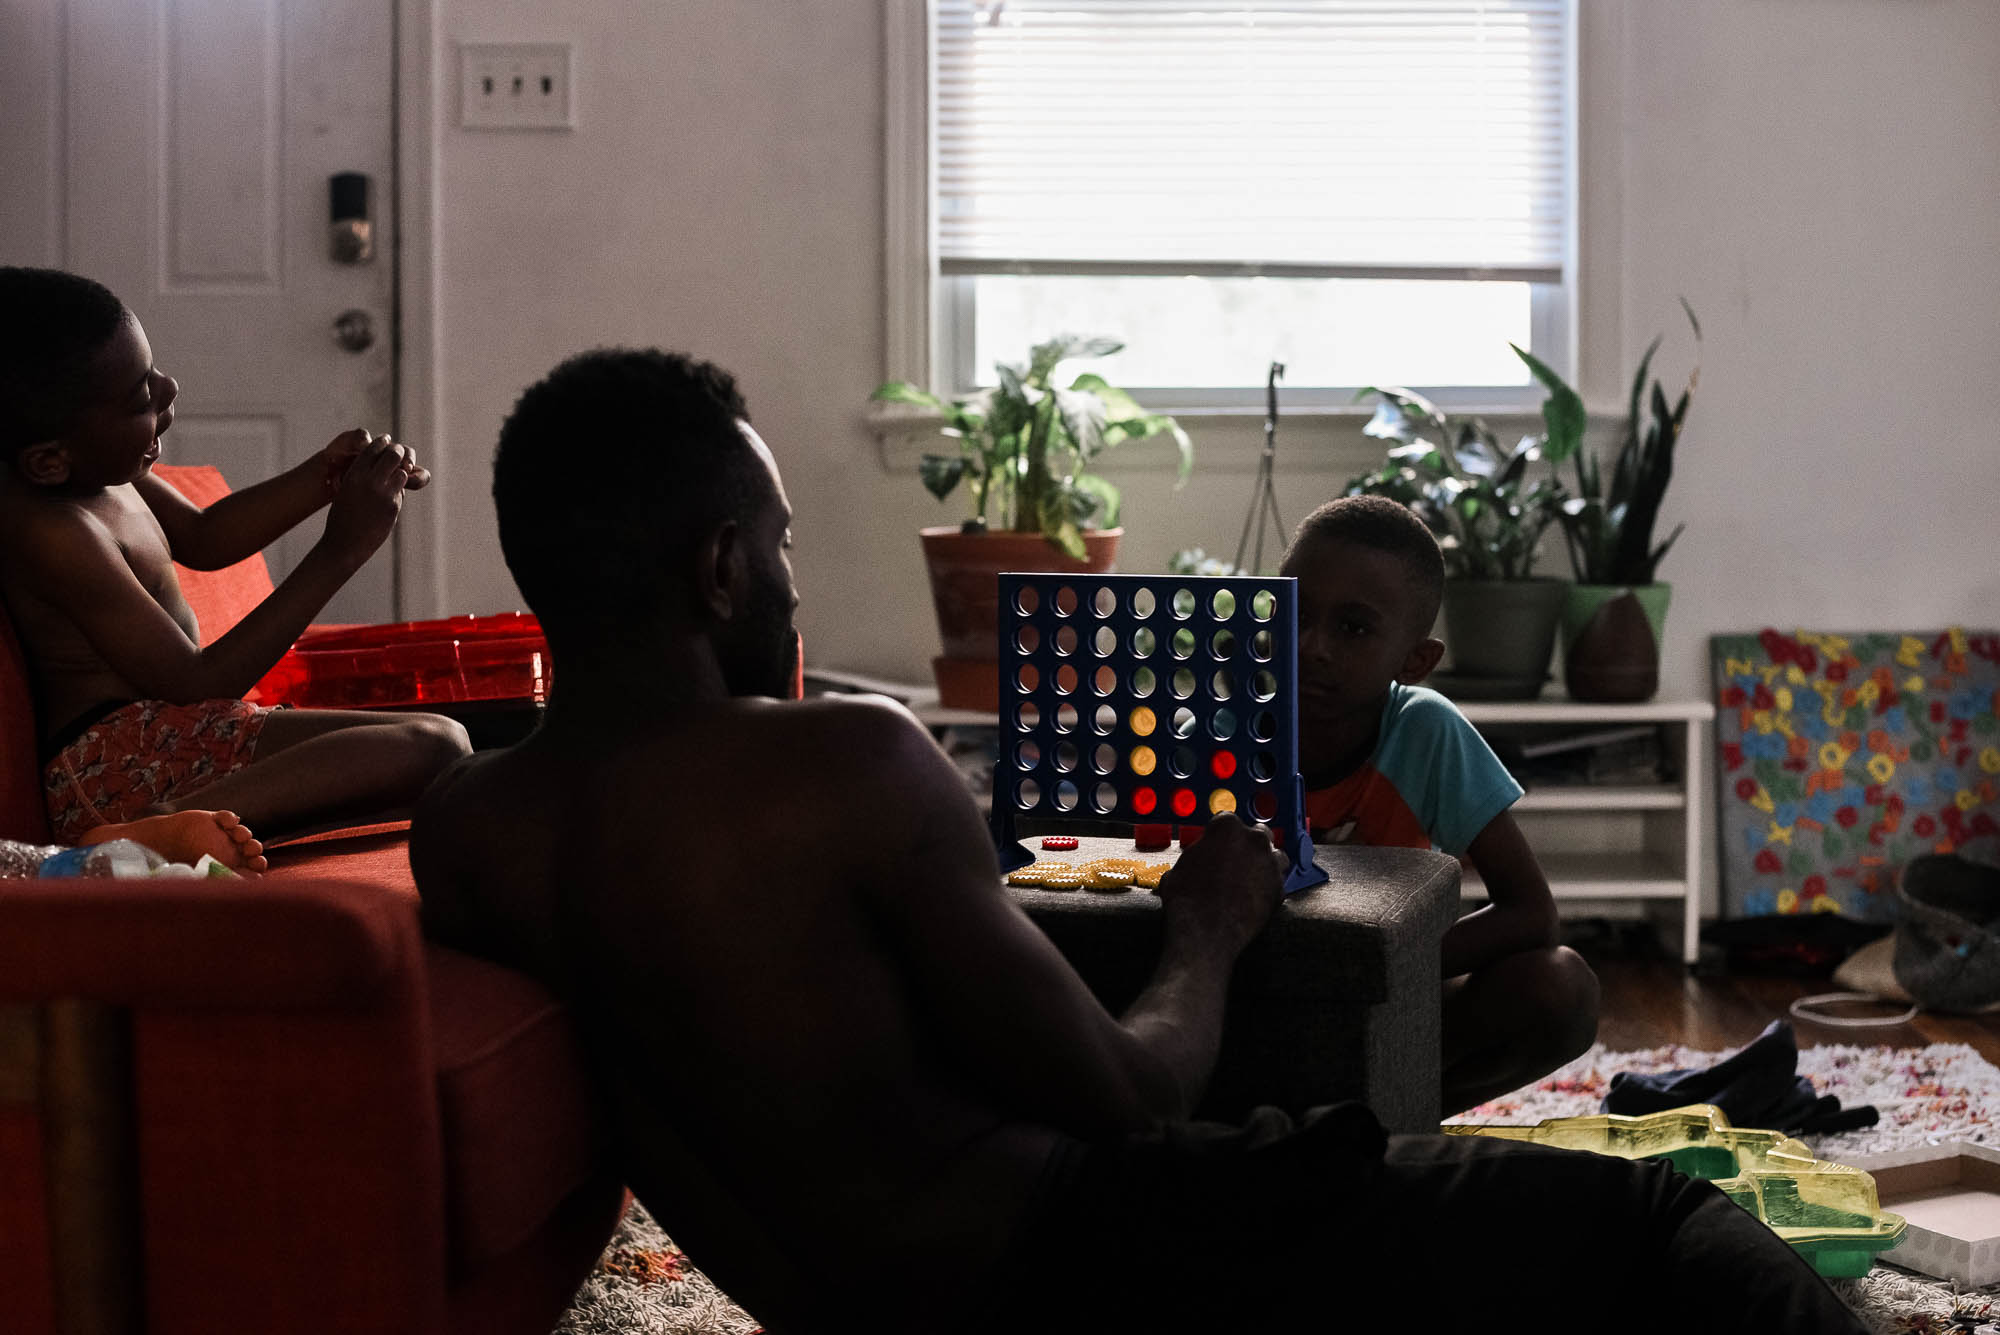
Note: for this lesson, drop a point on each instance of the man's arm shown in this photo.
(1008, 1006)
(245, 522)
(77, 566)
(1520, 913)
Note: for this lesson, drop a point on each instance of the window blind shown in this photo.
(1332, 138)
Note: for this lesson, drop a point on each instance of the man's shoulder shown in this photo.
(458, 780)
(869, 721)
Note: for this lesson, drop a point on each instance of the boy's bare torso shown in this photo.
(70, 674)
(699, 878)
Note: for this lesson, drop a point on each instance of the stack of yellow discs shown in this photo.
(1110, 874)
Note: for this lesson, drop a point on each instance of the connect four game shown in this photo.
(1139, 699)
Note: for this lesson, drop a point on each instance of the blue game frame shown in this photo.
(1136, 699)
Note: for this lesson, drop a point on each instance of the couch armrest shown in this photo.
(280, 1080)
(240, 944)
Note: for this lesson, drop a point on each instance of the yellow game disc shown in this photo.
(1144, 721)
(1036, 873)
(1221, 800)
(1150, 877)
(1063, 880)
(1110, 880)
(1143, 760)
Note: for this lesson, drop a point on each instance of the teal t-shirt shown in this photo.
(1431, 782)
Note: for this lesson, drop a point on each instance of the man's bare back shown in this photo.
(715, 879)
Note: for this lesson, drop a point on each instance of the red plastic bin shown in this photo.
(453, 660)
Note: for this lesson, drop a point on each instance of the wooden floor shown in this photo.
(1650, 1002)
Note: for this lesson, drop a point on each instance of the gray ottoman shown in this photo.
(1337, 999)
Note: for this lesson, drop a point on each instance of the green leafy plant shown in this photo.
(1610, 529)
(1026, 446)
(1475, 495)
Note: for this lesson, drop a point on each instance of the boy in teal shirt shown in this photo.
(1388, 762)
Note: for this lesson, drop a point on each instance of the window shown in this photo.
(1367, 192)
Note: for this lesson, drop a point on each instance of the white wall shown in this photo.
(1821, 178)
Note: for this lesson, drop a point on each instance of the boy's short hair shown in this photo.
(51, 324)
(610, 468)
(1387, 526)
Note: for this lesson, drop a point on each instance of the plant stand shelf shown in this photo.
(1616, 847)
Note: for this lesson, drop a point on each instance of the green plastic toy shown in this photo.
(1828, 1212)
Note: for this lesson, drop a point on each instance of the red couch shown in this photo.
(270, 1104)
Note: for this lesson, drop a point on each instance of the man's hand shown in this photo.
(341, 452)
(1223, 890)
(370, 497)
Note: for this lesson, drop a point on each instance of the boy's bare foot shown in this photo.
(183, 836)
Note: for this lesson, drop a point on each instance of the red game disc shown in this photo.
(1054, 841)
(1143, 801)
(1184, 801)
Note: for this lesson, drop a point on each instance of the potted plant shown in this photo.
(1615, 612)
(1026, 449)
(1488, 515)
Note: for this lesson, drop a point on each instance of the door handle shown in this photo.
(354, 330)
(352, 235)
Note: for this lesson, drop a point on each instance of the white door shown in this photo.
(199, 138)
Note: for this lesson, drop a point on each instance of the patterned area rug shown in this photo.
(644, 1285)
(1926, 1096)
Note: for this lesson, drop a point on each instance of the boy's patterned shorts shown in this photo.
(145, 753)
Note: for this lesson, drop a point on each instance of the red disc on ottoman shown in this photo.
(1056, 841)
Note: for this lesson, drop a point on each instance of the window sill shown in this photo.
(905, 434)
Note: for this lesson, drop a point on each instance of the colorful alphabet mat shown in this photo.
(1841, 757)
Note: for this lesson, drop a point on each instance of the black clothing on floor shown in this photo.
(1330, 1226)
(1758, 1086)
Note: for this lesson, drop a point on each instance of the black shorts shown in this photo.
(1329, 1225)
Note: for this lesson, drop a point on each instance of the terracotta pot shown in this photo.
(965, 571)
(1611, 641)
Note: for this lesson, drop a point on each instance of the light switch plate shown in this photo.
(516, 86)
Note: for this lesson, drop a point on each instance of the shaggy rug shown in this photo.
(644, 1284)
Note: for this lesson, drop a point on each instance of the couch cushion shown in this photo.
(377, 854)
(513, 1099)
(514, 1102)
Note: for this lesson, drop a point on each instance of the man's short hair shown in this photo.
(51, 324)
(1386, 526)
(609, 471)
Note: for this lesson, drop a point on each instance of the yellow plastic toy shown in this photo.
(1828, 1212)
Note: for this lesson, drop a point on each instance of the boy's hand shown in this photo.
(341, 452)
(1224, 889)
(364, 510)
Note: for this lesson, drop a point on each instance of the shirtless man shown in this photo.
(839, 1058)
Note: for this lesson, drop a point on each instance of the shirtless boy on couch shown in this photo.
(137, 718)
